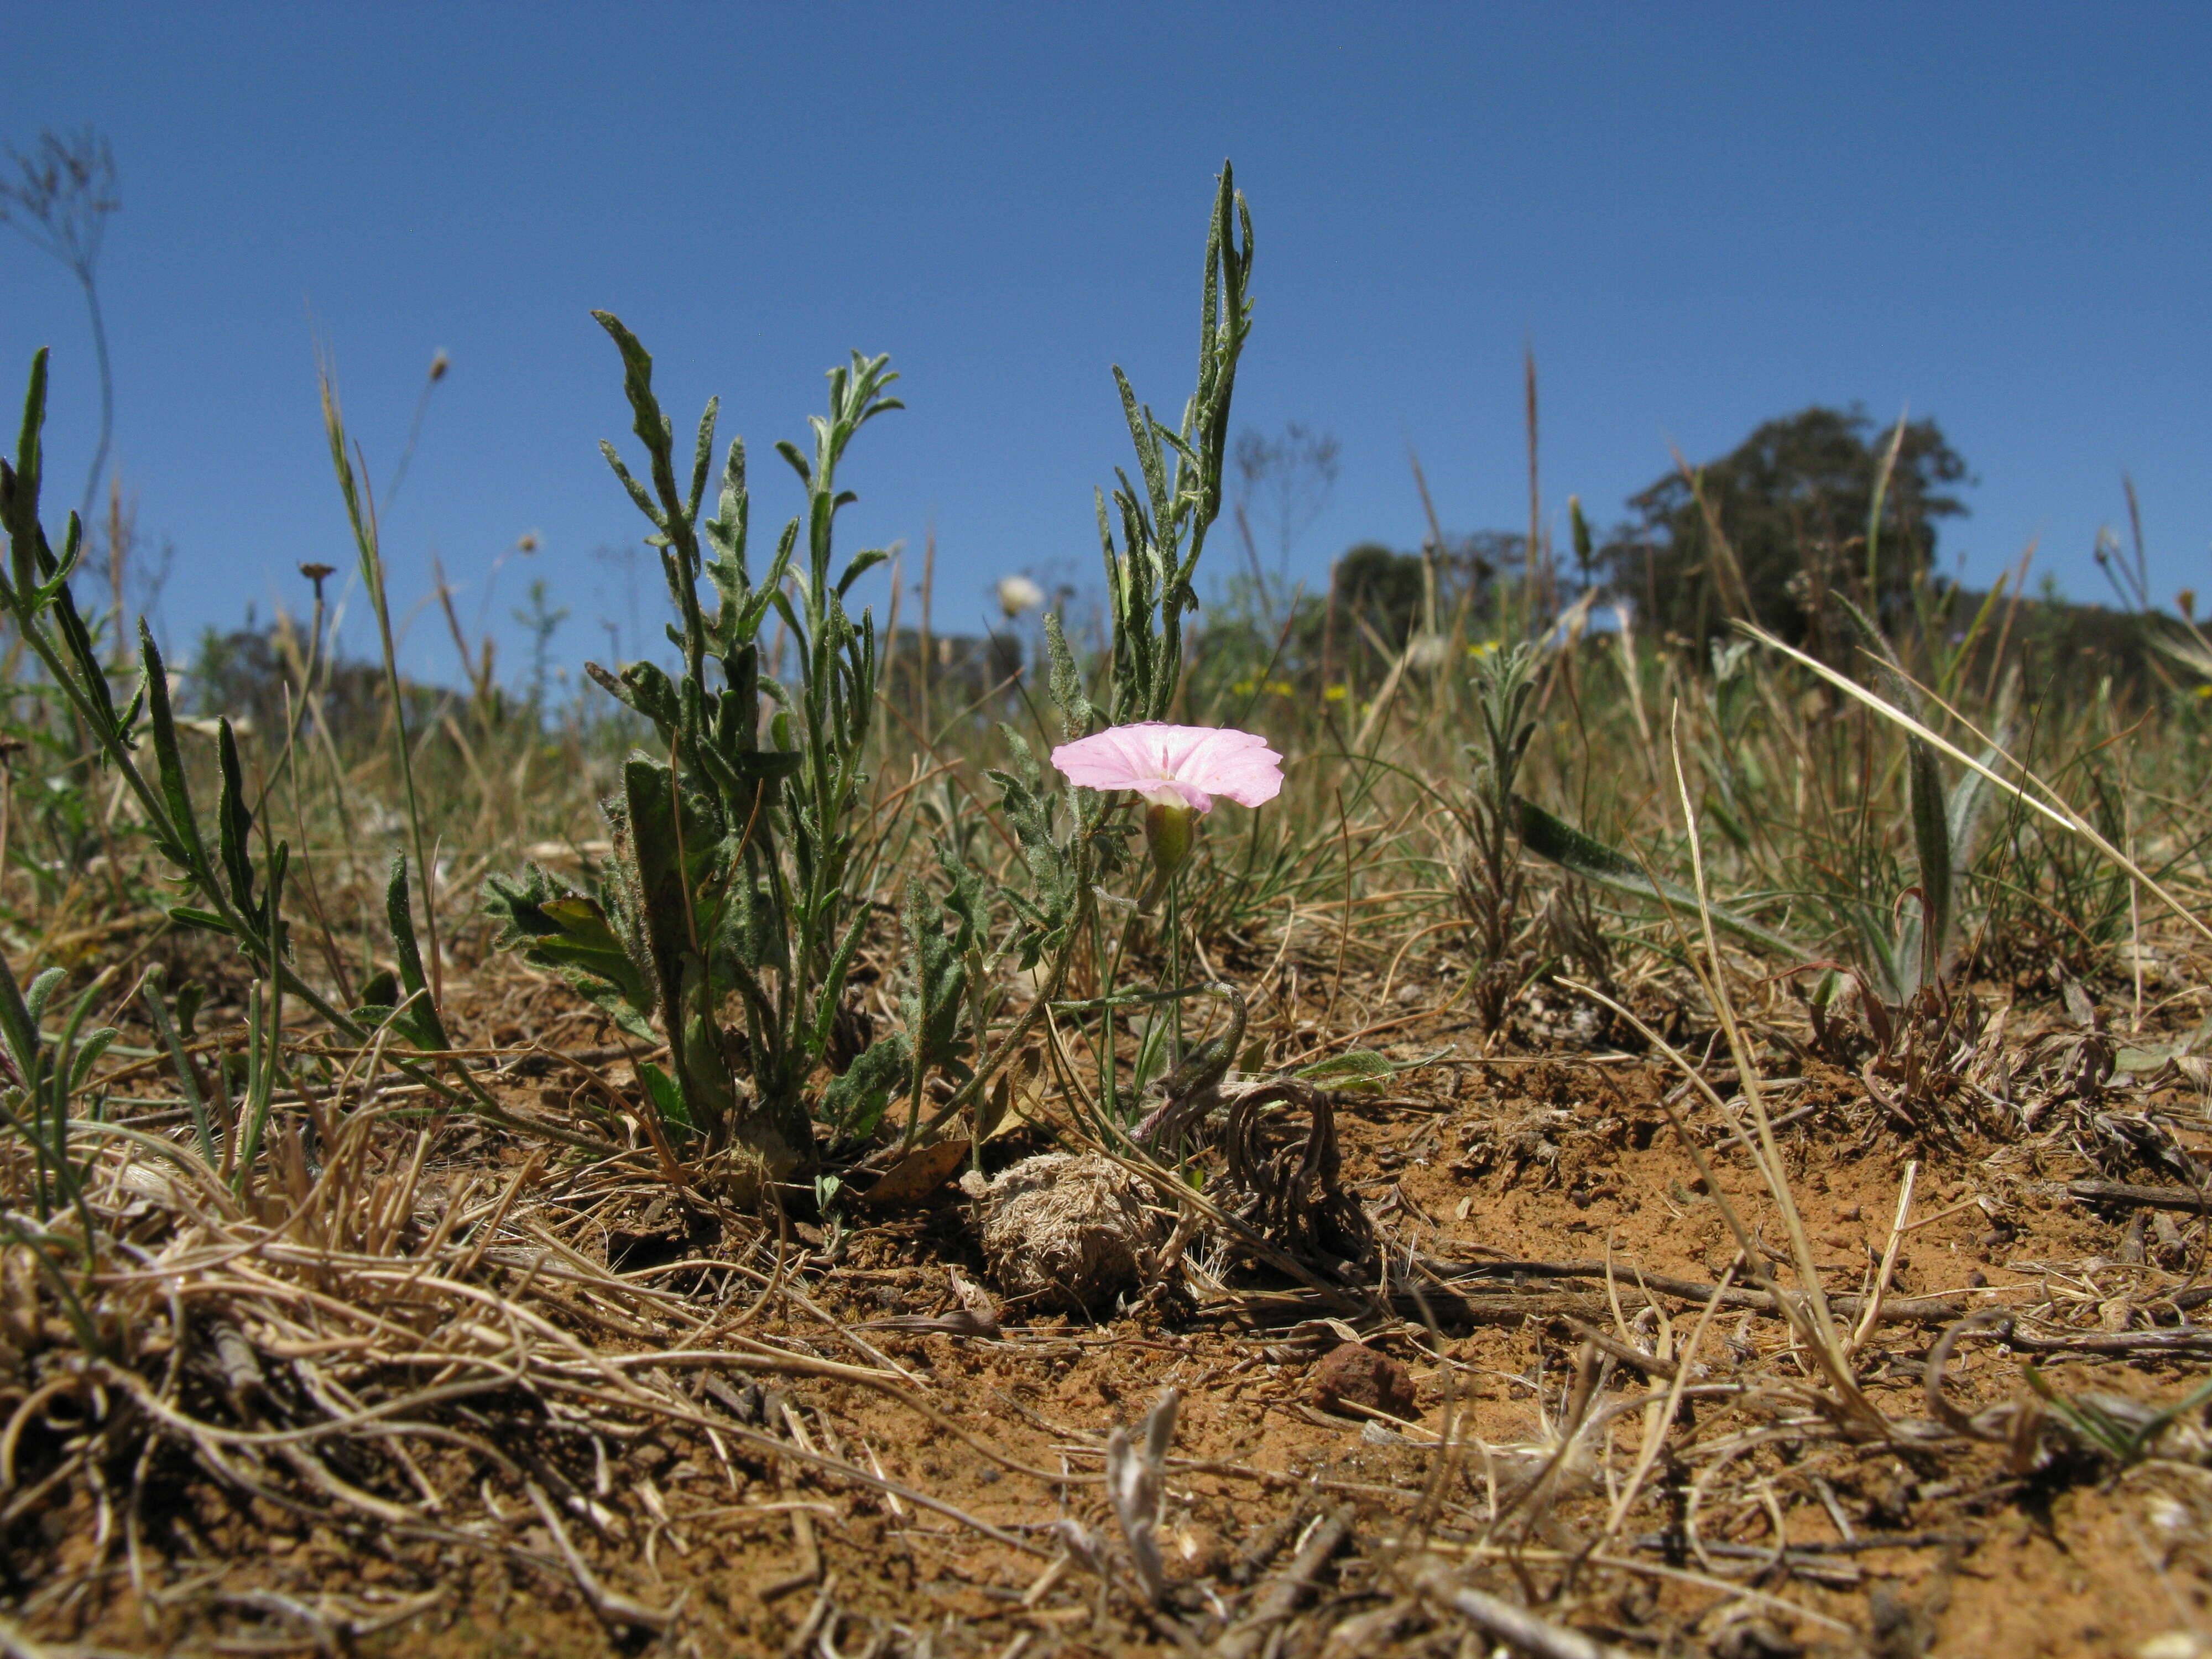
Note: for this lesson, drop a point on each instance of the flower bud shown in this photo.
(1171, 830)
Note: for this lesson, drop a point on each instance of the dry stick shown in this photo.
(928, 594)
(1502, 1622)
(2187, 1200)
(1535, 501)
(802, 1528)
(1896, 1232)
(1411, 940)
(802, 1639)
(2056, 809)
(1244, 1638)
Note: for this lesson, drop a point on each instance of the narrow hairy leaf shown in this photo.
(1579, 854)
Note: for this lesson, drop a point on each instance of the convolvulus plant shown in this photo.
(228, 894)
(731, 857)
(37, 596)
(1068, 835)
(1489, 878)
(1150, 575)
(734, 854)
(38, 1077)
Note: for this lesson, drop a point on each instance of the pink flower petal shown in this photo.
(1096, 762)
(1195, 762)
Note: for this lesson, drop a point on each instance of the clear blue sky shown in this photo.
(1699, 216)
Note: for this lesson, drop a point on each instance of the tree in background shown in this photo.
(541, 620)
(1791, 504)
(60, 200)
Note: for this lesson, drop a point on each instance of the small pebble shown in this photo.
(1355, 1374)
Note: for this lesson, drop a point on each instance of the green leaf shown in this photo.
(668, 854)
(235, 824)
(1357, 1063)
(187, 1082)
(42, 992)
(862, 563)
(19, 1024)
(410, 1022)
(401, 916)
(570, 935)
(648, 421)
(1931, 837)
(1579, 854)
(855, 1103)
(644, 688)
(95, 1044)
(667, 1099)
(1068, 695)
(23, 497)
(183, 828)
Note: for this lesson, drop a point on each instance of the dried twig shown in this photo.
(1501, 1621)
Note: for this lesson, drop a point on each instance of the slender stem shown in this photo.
(1174, 968)
(380, 603)
(106, 393)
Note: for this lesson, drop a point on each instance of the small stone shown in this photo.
(1355, 1374)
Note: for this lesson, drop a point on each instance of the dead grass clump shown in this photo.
(1068, 1232)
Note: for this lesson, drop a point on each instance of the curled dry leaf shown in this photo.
(912, 1180)
(1292, 1191)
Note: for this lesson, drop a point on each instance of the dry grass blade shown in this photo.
(2049, 804)
(1136, 1477)
(617, 1610)
(1659, 1425)
(1850, 1398)
(1898, 1229)
(1829, 1345)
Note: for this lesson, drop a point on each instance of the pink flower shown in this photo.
(1183, 766)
